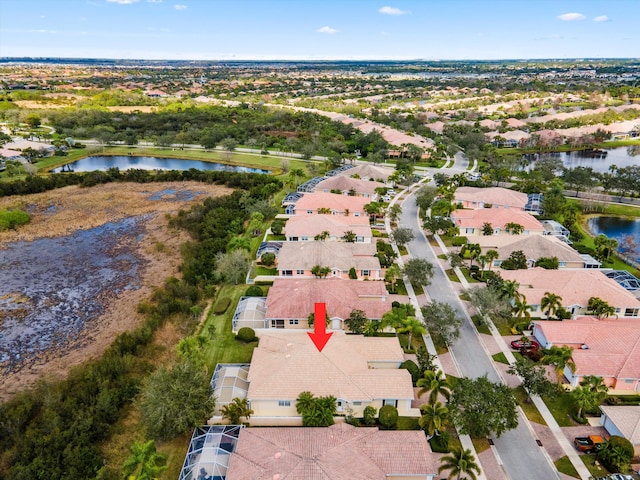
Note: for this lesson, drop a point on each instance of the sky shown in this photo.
(320, 29)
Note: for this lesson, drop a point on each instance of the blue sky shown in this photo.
(320, 29)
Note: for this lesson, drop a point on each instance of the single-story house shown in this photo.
(471, 222)
(10, 154)
(358, 371)
(492, 197)
(340, 451)
(607, 348)
(367, 172)
(622, 421)
(290, 301)
(331, 203)
(304, 228)
(349, 186)
(534, 247)
(296, 259)
(575, 287)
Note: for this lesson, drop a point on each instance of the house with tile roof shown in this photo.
(297, 259)
(304, 228)
(331, 203)
(358, 371)
(575, 287)
(339, 452)
(471, 222)
(291, 300)
(622, 421)
(368, 172)
(492, 197)
(608, 348)
(349, 186)
(535, 247)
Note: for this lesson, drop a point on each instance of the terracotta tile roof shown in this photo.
(295, 298)
(515, 123)
(345, 183)
(339, 452)
(369, 171)
(336, 225)
(574, 286)
(533, 246)
(614, 345)
(627, 420)
(492, 195)
(333, 201)
(286, 363)
(342, 255)
(497, 217)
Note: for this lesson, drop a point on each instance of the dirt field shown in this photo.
(145, 251)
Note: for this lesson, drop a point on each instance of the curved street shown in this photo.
(521, 457)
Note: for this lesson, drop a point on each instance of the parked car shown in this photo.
(528, 345)
(619, 476)
(589, 444)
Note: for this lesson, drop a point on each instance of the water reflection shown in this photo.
(598, 159)
(125, 162)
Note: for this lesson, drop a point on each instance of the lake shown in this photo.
(599, 160)
(618, 228)
(126, 162)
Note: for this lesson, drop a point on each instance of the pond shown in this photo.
(600, 160)
(619, 228)
(125, 162)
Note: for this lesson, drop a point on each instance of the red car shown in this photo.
(530, 345)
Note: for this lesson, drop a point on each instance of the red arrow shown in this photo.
(320, 337)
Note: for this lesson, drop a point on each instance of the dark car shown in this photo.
(528, 345)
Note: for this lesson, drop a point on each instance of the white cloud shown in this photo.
(326, 29)
(601, 18)
(180, 7)
(122, 2)
(570, 17)
(393, 11)
(154, 1)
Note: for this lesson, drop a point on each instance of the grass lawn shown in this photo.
(408, 423)
(451, 275)
(480, 324)
(260, 270)
(561, 407)
(480, 444)
(416, 341)
(500, 358)
(565, 466)
(590, 463)
(530, 410)
(225, 348)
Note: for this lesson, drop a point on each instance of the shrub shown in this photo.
(254, 291)
(388, 417)
(276, 227)
(10, 219)
(268, 259)
(459, 241)
(246, 335)
(413, 369)
(352, 274)
(369, 415)
(440, 443)
(222, 306)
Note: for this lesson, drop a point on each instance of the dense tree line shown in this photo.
(209, 126)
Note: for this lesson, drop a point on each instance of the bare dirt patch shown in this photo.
(119, 270)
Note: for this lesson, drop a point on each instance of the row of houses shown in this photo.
(605, 347)
(358, 371)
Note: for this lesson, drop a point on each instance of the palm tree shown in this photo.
(436, 384)
(559, 357)
(596, 385)
(514, 228)
(304, 402)
(472, 250)
(583, 398)
(411, 325)
(234, 411)
(550, 303)
(142, 463)
(509, 289)
(460, 462)
(491, 256)
(372, 327)
(391, 276)
(521, 309)
(433, 418)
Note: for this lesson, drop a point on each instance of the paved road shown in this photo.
(522, 458)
